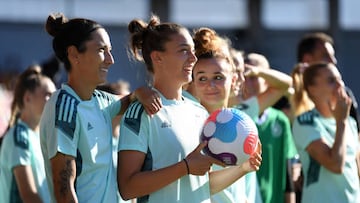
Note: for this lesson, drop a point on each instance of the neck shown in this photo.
(169, 91)
(31, 120)
(82, 89)
(324, 109)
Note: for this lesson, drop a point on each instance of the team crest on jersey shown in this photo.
(165, 124)
(277, 129)
(132, 117)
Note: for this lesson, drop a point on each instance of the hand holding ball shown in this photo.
(231, 134)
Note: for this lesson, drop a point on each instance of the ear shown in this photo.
(156, 57)
(26, 98)
(73, 54)
(234, 80)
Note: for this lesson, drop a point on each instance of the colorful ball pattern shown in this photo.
(231, 134)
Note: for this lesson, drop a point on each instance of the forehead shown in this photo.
(212, 65)
(100, 36)
(329, 71)
(46, 84)
(182, 38)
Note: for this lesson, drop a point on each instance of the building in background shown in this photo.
(270, 27)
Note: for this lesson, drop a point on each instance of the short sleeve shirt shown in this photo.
(166, 138)
(82, 129)
(320, 184)
(21, 147)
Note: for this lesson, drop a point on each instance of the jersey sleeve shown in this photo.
(109, 102)
(306, 129)
(353, 125)
(250, 107)
(58, 125)
(21, 153)
(133, 129)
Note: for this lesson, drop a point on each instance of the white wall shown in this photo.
(276, 14)
(115, 12)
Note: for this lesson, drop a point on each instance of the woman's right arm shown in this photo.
(64, 175)
(136, 183)
(333, 157)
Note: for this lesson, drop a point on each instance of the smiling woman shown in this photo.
(76, 132)
(159, 159)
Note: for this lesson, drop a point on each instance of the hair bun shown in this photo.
(207, 41)
(136, 26)
(54, 23)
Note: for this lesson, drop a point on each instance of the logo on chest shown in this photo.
(165, 124)
(89, 126)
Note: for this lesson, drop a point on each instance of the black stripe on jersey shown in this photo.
(14, 191)
(306, 118)
(79, 165)
(65, 114)
(147, 166)
(103, 95)
(132, 118)
(21, 138)
(313, 173)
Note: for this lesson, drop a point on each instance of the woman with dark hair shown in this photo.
(76, 129)
(160, 159)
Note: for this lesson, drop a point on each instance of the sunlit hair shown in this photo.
(27, 81)
(300, 100)
(148, 37)
(257, 60)
(208, 44)
(73, 32)
(238, 58)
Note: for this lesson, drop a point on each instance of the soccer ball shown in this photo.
(231, 134)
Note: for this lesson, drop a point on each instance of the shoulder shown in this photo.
(132, 116)
(307, 118)
(63, 97)
(246, 104)
(102, 95)
(66, 111)
(134, 110)
(21, 136)
(280, 115)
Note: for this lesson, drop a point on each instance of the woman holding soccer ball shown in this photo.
(159, 159)
(213, 79)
